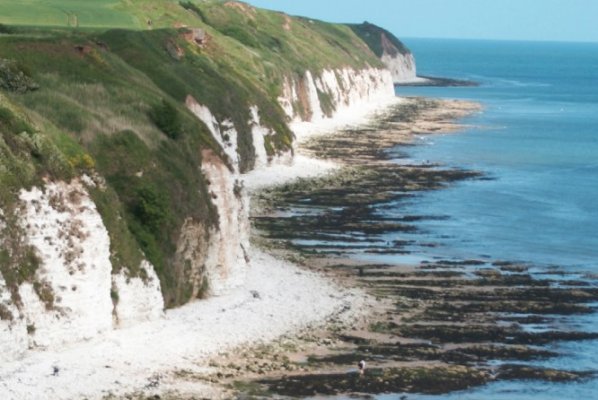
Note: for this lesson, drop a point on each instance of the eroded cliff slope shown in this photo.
(122, 154)
(394, 54)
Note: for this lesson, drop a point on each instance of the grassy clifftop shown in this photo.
(67, 13)
(99, 86)
(379, 39)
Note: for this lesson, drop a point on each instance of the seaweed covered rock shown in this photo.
(432, 380)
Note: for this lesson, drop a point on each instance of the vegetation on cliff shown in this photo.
(379, 40)
(100, 88)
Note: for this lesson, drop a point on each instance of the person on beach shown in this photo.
(361, 366)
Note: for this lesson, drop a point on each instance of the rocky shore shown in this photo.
(438, 82)
(171, 357)
(438, 326)
(432, 327)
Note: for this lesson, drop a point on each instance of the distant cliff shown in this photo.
(122, 153)
(393, 53)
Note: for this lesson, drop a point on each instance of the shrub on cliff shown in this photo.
(167, 119)
(13, 78)
(7, 30)
(187, 5)
(242, 35)
(150, 224)
(151, 208)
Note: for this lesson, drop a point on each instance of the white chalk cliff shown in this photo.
(399, 61)
(345, 88)
(74, 294)
(401, 66)
(220, 256)
(86, 295)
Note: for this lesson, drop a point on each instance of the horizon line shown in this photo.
(499, 39)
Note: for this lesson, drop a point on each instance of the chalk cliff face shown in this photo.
(136, 299)
(401, 66)
(219, 263)
(227, 258)
(138, 203)
(314, 97)
(398, 60)
(74, 294)
(391, 51)
(258, 136)
(217, 256)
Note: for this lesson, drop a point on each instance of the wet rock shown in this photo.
(524, 372)
(432, 380)
(457, 316)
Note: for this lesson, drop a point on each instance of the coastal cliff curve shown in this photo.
(217, 257)
(122, 175)
(324, 95)
(397, 58)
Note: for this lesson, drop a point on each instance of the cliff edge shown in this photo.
(123, 146)
(394, 54)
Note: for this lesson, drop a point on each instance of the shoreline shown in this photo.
(310, 166)
(306, 166)
(436, 81)
(445, 325)
(307, 315)
(172, 354)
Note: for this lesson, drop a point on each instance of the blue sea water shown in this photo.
(537, 138)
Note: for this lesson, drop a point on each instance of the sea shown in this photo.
(537, 143)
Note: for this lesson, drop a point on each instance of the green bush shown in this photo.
(15, 78)
(151, 208)
(114, 296)
(124, 249)
(241, 35)
(6, 29)
(10, 123)
(151, 220)
(151, 248)
(187, 5)
(167, 119)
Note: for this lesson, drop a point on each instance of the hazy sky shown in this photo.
(561, 20)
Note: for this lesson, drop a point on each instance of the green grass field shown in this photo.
(67, 13)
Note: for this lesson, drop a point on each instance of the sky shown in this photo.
(552, 20)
